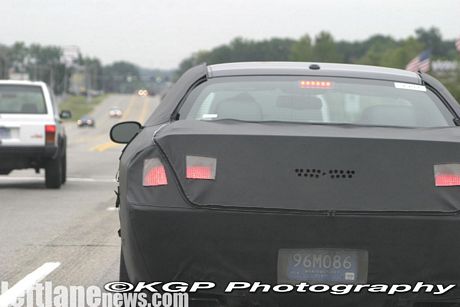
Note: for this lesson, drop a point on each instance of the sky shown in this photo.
(161, 33)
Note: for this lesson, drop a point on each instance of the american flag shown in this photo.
(420, 63)
(457, 44)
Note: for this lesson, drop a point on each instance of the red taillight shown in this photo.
(447, 175)
(199, 172)
(154, 173)
(50, 133)
(315, 84)
(200, 168)
(447, 180)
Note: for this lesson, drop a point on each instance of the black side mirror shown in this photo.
(123, 133)
(65, 114)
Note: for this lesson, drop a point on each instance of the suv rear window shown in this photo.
(22, 99)
(316, 100)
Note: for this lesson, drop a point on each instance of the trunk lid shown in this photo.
(277, 166)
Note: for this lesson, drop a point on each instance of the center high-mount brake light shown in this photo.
(200, 168)
(315, 84)
(154, 173)
(50, 134)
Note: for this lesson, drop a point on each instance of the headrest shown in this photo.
(299, 102)
(241, 106)
(29, 108)
(389, 116)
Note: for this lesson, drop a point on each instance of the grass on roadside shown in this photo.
(78, 105)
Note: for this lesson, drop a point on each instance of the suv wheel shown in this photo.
(64, 168)
(53, 173)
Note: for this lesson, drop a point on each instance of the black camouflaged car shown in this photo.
(288, 173)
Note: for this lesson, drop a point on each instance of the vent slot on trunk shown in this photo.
(317, 173)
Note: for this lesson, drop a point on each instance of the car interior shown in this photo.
(329, 107)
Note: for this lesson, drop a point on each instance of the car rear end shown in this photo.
(115, 112)
(28, 132)
(86, 121)
(232, 193)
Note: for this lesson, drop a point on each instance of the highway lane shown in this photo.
(77, 225)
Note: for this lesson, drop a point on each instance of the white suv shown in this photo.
(31, 132)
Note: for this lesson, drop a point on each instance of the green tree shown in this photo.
(121, 77)
(275, 49)
(241, 50)
(18, 53)
(4, 63)
(94, 71)
(399, 57)
(430, 39)
(325, 49)
(44, 63)
(375, 48)
(302, 50)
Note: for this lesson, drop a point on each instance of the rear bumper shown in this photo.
(85, 124)
(17, 157)
(168, 244)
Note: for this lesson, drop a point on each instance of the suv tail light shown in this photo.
(50, 134)
(200, 168)
(154, 173)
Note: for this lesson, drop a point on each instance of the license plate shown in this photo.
(4, 133)
(322, 266)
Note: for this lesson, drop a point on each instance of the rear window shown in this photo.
(21, 99)
(316, 100)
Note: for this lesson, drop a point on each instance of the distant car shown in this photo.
(86, 121)
(115, 112)
(288, 173)
(31, 133)
(143, 92)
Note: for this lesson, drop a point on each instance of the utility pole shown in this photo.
(2, 66)
(52, 77)
(69, 55)
(88, 83)
(64, 91)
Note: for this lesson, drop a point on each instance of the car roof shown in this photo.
(23, 82)
(305, 69)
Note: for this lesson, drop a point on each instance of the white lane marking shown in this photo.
(76, 179)
(20, 288)
(112, 209)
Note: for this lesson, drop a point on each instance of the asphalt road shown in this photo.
(77, 225)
